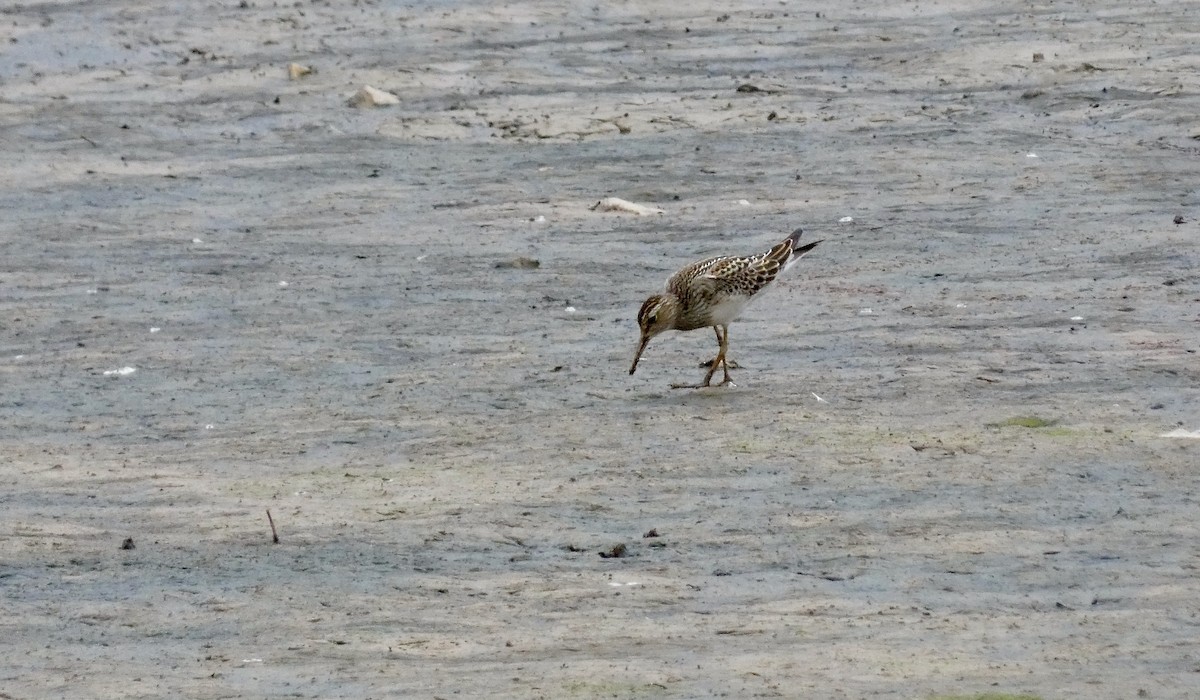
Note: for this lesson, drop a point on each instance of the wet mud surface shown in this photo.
(942, 471)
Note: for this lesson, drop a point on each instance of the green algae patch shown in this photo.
(1026, 422)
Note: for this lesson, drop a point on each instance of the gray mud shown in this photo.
(980, 500)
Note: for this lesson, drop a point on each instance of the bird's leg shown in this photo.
(728, 365)
(724, 340)
(719, 359)
(712, 366)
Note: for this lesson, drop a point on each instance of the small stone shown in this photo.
(616, 551)
(372, 97)
(521, 263)
(297, 71)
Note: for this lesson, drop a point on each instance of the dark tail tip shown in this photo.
(797, 252)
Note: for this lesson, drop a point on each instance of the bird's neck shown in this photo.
(670, 307)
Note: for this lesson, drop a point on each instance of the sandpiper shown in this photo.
(713, 292)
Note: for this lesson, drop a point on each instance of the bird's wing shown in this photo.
(692, 271)
(743, 275)
(706, 277)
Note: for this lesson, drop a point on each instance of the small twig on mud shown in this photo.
(274, 534)
(827, 577)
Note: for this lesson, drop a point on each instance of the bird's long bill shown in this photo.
(638, 356)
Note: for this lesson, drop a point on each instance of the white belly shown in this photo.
(728, 308)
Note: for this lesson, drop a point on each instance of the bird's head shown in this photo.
(658, 313)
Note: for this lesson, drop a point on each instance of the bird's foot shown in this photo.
(708, 385)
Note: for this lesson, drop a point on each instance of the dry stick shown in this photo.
(274, 534)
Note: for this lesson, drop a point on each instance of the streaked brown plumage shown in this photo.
(713, 292)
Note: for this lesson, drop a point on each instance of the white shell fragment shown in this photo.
(119, 372)
(846, 220)
(297, 71)
(618, 204)
(1181, 433)
(373, 97)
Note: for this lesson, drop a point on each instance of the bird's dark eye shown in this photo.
(653, 319)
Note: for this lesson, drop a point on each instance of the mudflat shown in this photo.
(960, 458)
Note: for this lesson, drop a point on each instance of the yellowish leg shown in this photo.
(719, 359)
(723, 340)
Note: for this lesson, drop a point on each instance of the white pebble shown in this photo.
(155, 329)
(846, 220)
(119, 372)
(618, 204)
(373, 97)
(297, 71)
(282, 283)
